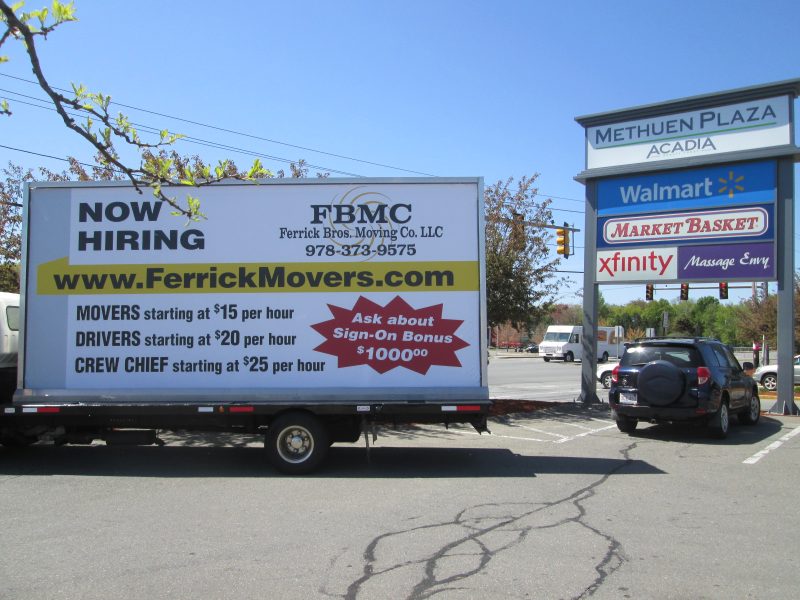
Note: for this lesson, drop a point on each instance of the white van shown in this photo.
(563, 342)
(9, 343)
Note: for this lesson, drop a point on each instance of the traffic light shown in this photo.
(684, 291)
(562, 239)
(723, 290)
(648, 292)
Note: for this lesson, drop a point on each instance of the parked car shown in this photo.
(532, 347)
(604, 372)
(767, 375)
(669, 379)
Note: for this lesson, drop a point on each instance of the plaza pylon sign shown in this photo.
(698, 189)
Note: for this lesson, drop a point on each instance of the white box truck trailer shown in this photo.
(563, 342)
(305, 310)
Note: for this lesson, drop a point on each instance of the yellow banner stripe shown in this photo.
(58, 277)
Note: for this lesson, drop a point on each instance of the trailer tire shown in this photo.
(296, 443)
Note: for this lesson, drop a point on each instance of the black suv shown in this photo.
(671, 379)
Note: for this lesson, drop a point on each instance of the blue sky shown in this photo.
(447, 88)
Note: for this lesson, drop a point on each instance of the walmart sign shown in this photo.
(719, 186)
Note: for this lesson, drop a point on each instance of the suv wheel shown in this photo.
(605, 379)
(627, 424)
(751, 415)
(720, 422)
(770, 382)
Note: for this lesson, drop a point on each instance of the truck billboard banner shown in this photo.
(316, 285)
(718, 186)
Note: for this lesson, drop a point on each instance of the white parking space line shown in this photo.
(773, 446)
(508, 437)
(580, 435)
(584, 427)
(558, 435)
(561, 438)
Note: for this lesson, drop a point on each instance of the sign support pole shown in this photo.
(785, 218)
(590, 301)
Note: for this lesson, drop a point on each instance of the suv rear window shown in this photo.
(680, 356)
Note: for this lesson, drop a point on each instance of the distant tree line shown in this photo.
(739, 324)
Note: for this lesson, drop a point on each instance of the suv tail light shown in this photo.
(703, 375)
(615, 374)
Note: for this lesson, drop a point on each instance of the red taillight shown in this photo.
(703, 375)
(615, 374)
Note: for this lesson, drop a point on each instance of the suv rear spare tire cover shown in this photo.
(660, 383)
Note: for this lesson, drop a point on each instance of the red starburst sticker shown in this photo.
(395, 335)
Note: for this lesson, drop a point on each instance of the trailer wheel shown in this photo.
(296, 443)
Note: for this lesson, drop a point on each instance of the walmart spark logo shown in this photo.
(731, 184)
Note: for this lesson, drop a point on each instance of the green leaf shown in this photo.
(255, 170)
(63, 12)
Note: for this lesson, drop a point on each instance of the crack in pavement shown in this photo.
(483, 532)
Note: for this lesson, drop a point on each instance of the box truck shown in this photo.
(303, 310)
(563, 342)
